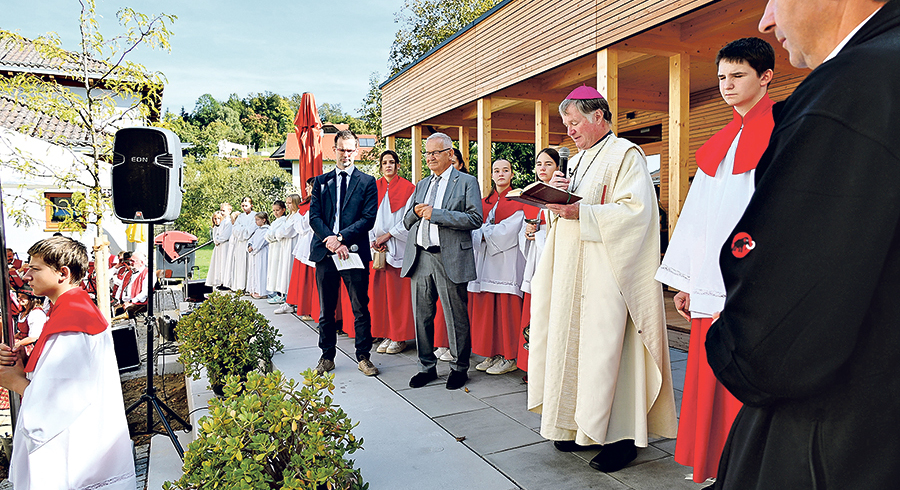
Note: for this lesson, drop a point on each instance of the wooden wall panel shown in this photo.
(520, 40)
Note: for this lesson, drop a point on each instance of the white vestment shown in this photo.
(275, 246)
(712, 209)
(305, 235)
(220, 259)
(598, 367)
(499, 262)
(532, 250)
(388, 222)
(244, 226)
(71, 431)
(257, 267)
(287, 235)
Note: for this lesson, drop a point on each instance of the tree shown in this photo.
(426, 23)
(102, 71)
(211, 181)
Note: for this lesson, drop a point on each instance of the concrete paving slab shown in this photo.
(488, 430)
(436, 400)
(644, 455)
(483, 385)
(677, 355)
(541, 466)
(662, 474)
(667, 445)
(165, 464)
(513, 405)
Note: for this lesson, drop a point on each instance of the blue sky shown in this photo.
(239, 46)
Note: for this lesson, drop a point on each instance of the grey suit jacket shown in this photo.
(460, 213)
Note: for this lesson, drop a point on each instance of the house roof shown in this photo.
(24, 55)
(290, 149)
(38, 124)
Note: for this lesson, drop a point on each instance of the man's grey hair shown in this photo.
(587, 107)
(448, 143)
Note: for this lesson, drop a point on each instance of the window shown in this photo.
(366, 142)
(57, 208)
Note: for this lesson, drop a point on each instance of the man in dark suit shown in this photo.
(341, 213)
(439, 259)
(808, 338)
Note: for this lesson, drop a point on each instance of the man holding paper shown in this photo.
(341, 213)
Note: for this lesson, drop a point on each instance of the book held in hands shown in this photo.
(540, 194)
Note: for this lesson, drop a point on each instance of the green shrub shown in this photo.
(226, 335)
(265, 434)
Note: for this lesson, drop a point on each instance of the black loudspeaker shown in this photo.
(147, 175)
(125, 343)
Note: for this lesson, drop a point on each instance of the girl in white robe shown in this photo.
(275, 248)
(258, 250)
(243, 227)
(287, 236)
(495, 296)
(221, 234)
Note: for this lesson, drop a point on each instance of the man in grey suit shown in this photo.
(439, 259)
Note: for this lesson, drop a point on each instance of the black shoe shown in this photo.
(456, 380)
(422, 379)
(615, 456)
(570, 446)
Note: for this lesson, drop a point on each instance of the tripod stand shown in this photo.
(149, 396)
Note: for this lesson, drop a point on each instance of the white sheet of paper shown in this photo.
(351, 262)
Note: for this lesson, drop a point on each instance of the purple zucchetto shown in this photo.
(584, 93)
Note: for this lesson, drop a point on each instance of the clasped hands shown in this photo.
(12, 368)
(423, 211)
(336, 247)
(380, 243)
(565, 211)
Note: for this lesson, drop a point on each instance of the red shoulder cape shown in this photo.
(758, 125)
(73, 312)
(303, 208)
(505, 208)
(400, 190)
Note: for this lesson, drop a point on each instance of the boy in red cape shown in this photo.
(71, 430)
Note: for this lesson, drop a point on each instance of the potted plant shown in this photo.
(266, 433)
(226, 335)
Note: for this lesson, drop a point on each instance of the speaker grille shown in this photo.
(140, 185)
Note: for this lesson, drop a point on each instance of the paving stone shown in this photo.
(662, 474)
(436, 400)
(514, 405)
(540, 466)
(488, 431)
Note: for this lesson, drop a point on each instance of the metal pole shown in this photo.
(9, 332)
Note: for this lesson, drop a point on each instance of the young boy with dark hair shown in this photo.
(71, 431)
(721, 190)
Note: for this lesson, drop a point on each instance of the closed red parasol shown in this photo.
(309, 136)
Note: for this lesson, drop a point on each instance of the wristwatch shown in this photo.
(340, 238)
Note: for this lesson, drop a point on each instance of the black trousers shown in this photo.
(328, 280)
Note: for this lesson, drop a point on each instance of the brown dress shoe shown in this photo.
(367, 367)
(324, 365)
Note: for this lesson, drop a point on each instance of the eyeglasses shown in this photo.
(341, 150)
(435, 152)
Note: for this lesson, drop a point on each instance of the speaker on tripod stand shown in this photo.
(147, 179)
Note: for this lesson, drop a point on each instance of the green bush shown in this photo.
(265, 434)
(226, 335)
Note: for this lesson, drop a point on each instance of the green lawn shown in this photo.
(201, 260)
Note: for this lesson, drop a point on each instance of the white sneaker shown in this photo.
(382, 348)
(396, 347)
(487, 363)
(285, 308)
(447, 356)
(503, 366)
(440, 351)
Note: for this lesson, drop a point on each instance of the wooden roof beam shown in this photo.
(721, 20)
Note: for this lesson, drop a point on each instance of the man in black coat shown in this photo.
(341, 213)
(809, 337)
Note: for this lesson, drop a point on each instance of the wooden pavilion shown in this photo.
(502, 77)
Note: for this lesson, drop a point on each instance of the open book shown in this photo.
(540, 194)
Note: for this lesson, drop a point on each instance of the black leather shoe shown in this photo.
(422, 379)
(456, 380)
(615, 456)
(570, 446)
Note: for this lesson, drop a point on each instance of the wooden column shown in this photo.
(679, 138)
(464, 144)
(391, 143)
(416, 153)
(541, 125)
(484, 144)
(608, 82)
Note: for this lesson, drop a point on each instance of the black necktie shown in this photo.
(342, 196)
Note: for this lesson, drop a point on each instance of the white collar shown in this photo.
(843, 43)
